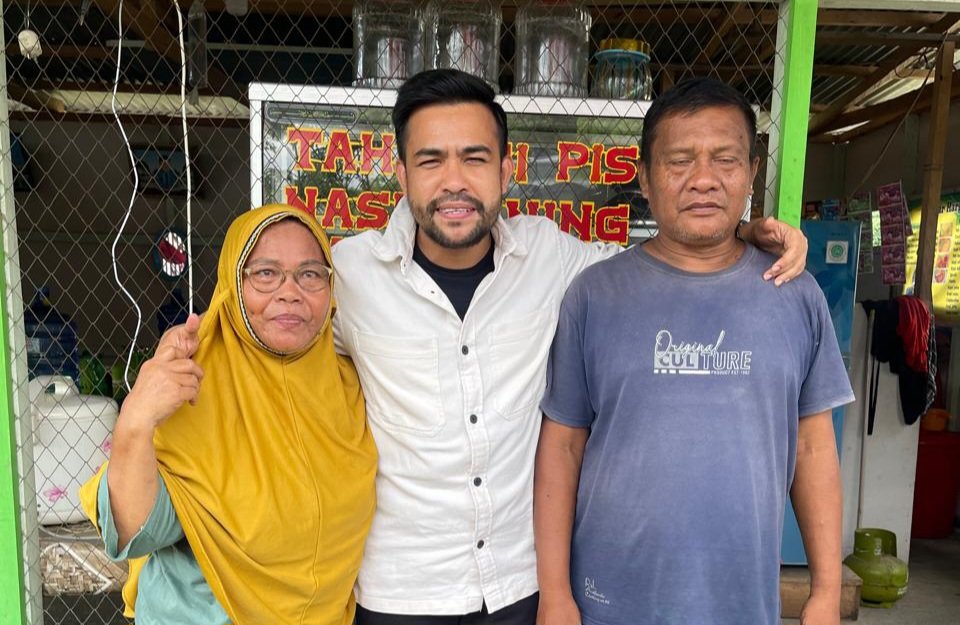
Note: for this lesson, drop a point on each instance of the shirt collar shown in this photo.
(397, 240)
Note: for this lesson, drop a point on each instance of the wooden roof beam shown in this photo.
(864, 38)
(901, 19)
(861, 18)
(739, 12)
(36, 99)
(761, 68)
(882, 114)
(894, 60)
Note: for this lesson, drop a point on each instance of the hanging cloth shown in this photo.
(901, 336)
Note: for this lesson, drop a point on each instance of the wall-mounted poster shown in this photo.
(945, 287)
(860, 208)
(893, 232)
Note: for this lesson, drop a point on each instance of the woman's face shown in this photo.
(287, 319)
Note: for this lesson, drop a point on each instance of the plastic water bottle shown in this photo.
(51, 339)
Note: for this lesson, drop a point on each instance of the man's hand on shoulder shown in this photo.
(777, 237)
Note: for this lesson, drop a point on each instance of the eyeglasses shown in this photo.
(267, 277)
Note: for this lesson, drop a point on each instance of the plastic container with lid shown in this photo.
(464, 35)
(553, 41)
(72, 436)
(387, 42)
(622, 70)
(935, 420)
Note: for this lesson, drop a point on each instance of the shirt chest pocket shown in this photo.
(401, 383)
(518, 362)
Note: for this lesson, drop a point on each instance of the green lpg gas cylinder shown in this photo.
(875, 560)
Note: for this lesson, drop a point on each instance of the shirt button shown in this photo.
(465, 350)
(477, 481)
(473, 418)
(479, 544)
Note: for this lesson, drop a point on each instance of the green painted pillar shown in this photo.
(796, 38)
(12, 605)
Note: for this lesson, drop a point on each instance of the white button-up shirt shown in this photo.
(454, 408)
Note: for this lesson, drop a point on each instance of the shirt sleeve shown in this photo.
(161, 529)
(577, 255)
(566, 399)
(338, 345)
(827, 384)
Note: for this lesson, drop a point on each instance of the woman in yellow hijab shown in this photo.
(241, 464)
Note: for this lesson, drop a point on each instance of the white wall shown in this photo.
(889, 456)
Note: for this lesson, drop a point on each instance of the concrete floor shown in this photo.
(933, 597)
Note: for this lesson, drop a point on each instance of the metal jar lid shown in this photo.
(632, 45)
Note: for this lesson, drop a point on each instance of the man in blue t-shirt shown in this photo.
(685, 398)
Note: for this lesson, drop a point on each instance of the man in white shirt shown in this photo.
(449, 315)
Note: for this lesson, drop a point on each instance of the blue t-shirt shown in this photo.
(692, 386)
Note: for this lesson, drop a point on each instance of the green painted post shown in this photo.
(11, 548)
(12, 605)
(11, 554)
(801, 33)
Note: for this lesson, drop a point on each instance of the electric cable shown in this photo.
(886, 146)
(133, 196)
(186, 153)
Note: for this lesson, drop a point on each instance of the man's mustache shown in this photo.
(466, 198)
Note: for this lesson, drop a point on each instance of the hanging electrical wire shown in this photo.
(886, 145)
(186, 153)
(133, 196)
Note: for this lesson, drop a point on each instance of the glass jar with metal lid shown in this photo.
(622, 70)
(553, 42)
(387, 42)
(464, 35)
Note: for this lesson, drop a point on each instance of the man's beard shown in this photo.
(690, 237)
(433, 231)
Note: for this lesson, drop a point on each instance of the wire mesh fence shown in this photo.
(273, 114)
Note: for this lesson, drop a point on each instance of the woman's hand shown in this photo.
(167, 380)
(163, 384)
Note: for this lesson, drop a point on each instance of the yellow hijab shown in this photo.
(272, 472)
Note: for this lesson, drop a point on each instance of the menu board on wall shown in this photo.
(332, 156)
(945, 288)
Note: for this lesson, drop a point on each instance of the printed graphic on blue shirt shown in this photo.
(693, 358)
(590, 591)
